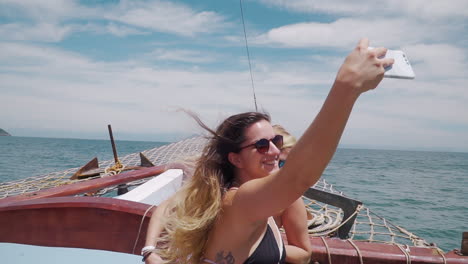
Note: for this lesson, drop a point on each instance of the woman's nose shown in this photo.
(274, 150)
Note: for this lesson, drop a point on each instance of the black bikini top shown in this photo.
(267, 251)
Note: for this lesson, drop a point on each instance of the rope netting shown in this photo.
(324, 220)
(368, 226)
(158, 156)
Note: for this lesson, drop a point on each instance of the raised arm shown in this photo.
(260, 198)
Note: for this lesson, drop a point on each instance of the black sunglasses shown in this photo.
(263, 145)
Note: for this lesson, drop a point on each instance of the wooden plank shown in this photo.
(81, 173)
(77, 222)
(342, 251)
(144, 161)
(113, 225)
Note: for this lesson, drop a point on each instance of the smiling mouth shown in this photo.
(271, 162)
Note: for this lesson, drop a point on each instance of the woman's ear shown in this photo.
(235, 159)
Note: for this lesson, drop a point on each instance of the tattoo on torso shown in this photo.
(221, 258)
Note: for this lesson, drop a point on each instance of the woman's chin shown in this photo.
(271, 168)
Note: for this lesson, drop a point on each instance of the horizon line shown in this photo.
(340, 145)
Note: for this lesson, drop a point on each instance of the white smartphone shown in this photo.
(401, 69)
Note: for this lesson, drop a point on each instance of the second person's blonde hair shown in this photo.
(288, 140)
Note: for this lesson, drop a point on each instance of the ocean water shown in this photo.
(22, 157)
(424, 192)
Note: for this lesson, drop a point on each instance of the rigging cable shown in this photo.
(248, 56)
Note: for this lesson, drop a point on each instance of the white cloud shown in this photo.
(164, 16)
(68, 90)
(137, 17)
(191, 56)
(64, 88)
(427, 10)
(345, 32)
(439, 61)
(27, 56)
(44, 32)
(399, 133)
(409, 114)
(123, 31)
(54, 32)
(51, 11)
(414, 8)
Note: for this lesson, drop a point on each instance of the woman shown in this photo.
(223, 214)
(288, 142)
(293, 219)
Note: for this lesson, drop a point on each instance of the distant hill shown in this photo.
(4, 133)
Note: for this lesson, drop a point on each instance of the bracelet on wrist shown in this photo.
(147, 249)
(146, 255)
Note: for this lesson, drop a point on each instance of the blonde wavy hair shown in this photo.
(288, 140)
(194, 209)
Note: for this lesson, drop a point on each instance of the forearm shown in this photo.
(361, 71)
(155, 226)
(296, 255)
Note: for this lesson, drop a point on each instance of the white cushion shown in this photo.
(156, 190)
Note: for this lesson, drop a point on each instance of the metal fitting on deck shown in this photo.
(464, 244)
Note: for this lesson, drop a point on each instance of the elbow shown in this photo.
(308, 256)
(298, 255)
(305, 260)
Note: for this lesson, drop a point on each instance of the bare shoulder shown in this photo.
(234, 213)
(229, 196)
(231, 224)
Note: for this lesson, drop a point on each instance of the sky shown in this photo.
(69, 68)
